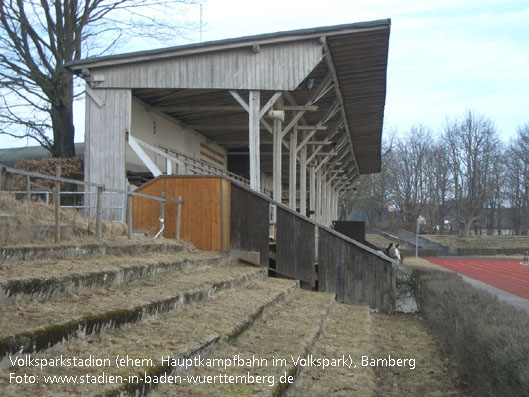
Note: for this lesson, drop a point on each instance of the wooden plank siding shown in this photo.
(295, 245)
(275, 67)
(354, 273)
(204, 215)
(249, 222)
(105, 146)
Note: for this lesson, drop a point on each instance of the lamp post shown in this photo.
(420, 220)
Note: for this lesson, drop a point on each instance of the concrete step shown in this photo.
(19, 283)
(276, 346)
(189, 331)
(35, 326)
(75, 250)
(347, 336)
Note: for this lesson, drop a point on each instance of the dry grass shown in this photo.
(347, 331)
(47, 268)
(31, 316)
(407, 336)
(167, 334)
(283, 331)
(27, 214)
(420, 262)
(488, 339)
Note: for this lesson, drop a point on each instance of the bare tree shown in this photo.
(471, 140)
(517, 179)
(409, 170)
(38, 37)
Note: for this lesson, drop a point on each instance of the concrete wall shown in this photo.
(157, 129)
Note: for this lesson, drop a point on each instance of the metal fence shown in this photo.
(98, 208)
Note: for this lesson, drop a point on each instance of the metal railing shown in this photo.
(100, 190)
(194, 166)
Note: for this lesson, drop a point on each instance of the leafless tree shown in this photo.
(471, 140)
(409, 171)
(38, 37)
(517, 179)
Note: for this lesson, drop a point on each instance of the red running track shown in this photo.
(505, 274)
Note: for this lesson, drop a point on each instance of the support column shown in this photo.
(276, 160)
(303, 181)
(318, 196)
(255, 161)
(312, 192)
(292, 177)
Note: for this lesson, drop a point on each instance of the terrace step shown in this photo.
(75, 250)
(286, 332)
(35, 326)
(188, 331)
(59, 277)
(347, 335)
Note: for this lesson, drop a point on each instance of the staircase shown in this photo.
(122, 318)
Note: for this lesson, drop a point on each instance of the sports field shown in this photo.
(505, 274)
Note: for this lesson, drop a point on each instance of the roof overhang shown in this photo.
(354, 56)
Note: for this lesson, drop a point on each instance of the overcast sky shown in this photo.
(444, 56)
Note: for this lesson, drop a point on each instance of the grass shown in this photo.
(487, 338)
(27, 214)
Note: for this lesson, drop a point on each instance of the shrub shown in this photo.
(488, 339)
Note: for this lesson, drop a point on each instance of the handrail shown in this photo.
(195, 163)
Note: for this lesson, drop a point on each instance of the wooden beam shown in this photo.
(185, 108)
(269, 104)
(296, 107)
(253, 127)
(303, 181)
(241, 101)
(292, 183)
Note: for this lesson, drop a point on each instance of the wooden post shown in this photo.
(178, 212)
(57, 201)
(292, 182)
(303, 181)
(162, 211)
(99, 211)
(312, 192)
(253, 130)
(28, 188)
(2, 177)
(129, 214)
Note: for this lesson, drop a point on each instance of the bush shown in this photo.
(488, 339)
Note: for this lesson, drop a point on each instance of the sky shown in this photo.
(444, 56)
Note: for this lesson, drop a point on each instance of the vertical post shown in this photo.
(162, 212)
(255, 161)
(312, 192)
(57, 201)
(178, 212)
(99, 211)
(168, 167)
(303, 181)
(277, 129)
(417, 241)
(318, 197)
(2, 177)
(28, 188)
(129, 213)
(292, 177)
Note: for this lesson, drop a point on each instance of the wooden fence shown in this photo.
(219, 214)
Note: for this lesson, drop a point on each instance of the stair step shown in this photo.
(52, 322)
(287, 332)
(69, 250)
(17, 281)
(347, 333)
(190, 330)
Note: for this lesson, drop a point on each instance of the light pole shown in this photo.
(420, 219)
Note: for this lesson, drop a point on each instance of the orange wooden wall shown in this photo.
(205, 214)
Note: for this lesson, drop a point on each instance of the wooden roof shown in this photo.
(354, 56)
